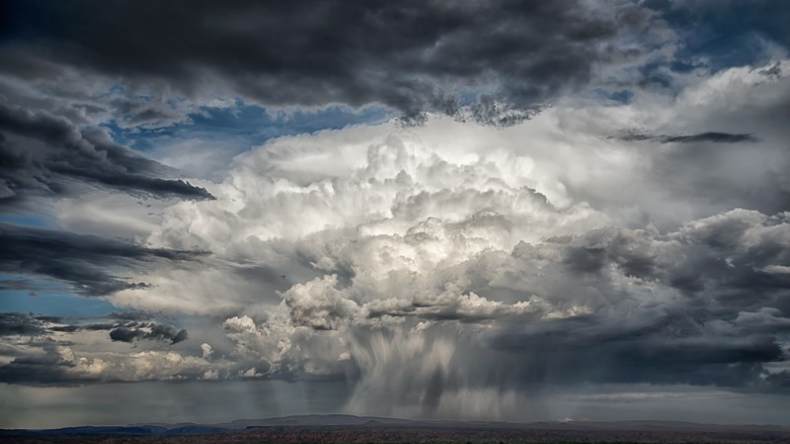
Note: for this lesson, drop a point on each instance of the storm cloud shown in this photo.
(133, 331)
(405, 247)
(412, 56)
(712, 137)
(447, 209)
(40, 350)
(19, 324)
(84, 262)
(42, 154)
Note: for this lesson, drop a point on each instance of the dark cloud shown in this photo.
(724, 317)
(134, 331)
(39, 350)
(32, 354)
(598, 350)
(19, 324)
(413, 56)
(88, 263)
(24, 324)
(737, 258)
(41, 368)
(711, 137)
(585, 259)
(42, 154)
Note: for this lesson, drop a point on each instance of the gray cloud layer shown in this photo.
(42, 154)
(85, 262)
(413, 56)
(712, 137)
(133, 331)
(39, 347)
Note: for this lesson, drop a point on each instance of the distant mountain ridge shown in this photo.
(340, 420)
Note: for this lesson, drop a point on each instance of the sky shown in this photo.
(506, 210)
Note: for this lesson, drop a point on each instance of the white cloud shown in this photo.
(392, 254)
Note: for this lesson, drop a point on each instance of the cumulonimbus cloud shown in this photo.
(434, 265)
(375, 246)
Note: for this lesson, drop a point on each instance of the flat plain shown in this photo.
(337, 429)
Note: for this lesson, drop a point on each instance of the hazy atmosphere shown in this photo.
(501, 210)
